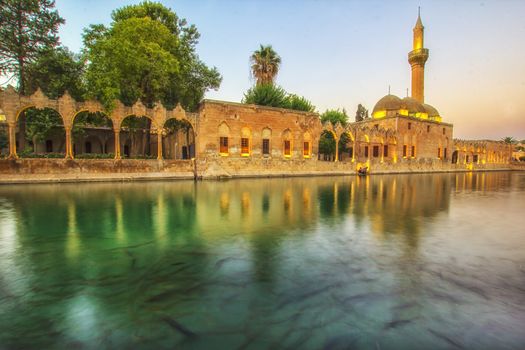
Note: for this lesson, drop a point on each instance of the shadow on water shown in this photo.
(304, 262)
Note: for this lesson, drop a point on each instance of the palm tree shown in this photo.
(265, 64)
(509, 140)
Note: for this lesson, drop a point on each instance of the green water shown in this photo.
(383, 262)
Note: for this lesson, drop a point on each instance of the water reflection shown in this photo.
(385, 261)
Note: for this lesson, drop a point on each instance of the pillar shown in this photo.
(336, 149)
(117, 143)
(354, 150)
(69, 146)
(12, 140)
(382, 151)
(159, 145)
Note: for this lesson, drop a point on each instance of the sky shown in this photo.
(341, 53)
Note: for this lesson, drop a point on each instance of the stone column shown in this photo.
(336, 149)
(69, 146)
(354, 150)
(117, 143)
(159, 145)
(12, 140)
(382, 150)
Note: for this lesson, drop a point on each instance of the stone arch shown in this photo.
(178, 139)
(86, 125)
(266, 141)
(307, 144)
(139, 128)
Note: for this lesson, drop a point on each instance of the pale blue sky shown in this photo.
(341, 53)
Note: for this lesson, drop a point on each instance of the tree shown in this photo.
(265, 64)
(509, 140)
(147, 53)
(28, 26)
(267, 95)
(56, 70)
(361, 113)
(334, 116)
(299, 103)
(275, 96)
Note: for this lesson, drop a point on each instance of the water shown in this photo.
(384, 262)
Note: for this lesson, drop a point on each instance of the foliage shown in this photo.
(89, 120)
(509, 140)
(266, 95)
(4, 139)
(522, 159)
(95, 156)
(265, 64)
(42, 123)
(361, 113)
(275, 96)
(327, 144)
(30, 154)
(335, 116)
(139, 131)
(299, 103)
(28, 26)
(147, 53)
(56, 70)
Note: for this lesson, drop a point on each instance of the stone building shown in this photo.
(225, 138)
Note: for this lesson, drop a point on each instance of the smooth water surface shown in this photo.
(383, 262)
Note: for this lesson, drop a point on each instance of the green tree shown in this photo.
(275, 96)
(509, 140)
(361, 113)
(265, 64)
(327, 141)
(147, 53)
(299, 103)
(267, 95)
(334, 116)
(56, 70)
(28, 26)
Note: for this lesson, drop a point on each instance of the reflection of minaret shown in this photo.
(417, 58)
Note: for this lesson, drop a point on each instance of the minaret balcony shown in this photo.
(418, 56)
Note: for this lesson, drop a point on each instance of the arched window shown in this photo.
(245, 142)
(287, 143)
(307, 145)
(266, 136)
(224, 134)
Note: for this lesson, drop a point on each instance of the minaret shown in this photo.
(417, 58)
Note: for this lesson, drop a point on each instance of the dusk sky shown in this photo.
(341, 53)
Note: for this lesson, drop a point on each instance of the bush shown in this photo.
(95, 156)
(522, 159)
(26, 154)
(275, 96)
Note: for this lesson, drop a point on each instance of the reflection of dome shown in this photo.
(432, 112)
(388, 102)
(412, 105)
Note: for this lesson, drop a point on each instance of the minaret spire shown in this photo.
(417, 58)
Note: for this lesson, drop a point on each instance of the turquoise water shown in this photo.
(383, 262)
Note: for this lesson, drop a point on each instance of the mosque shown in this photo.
(234, 139)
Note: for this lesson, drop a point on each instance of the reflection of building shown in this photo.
(232, 138)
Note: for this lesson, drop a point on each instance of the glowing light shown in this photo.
(379, 114)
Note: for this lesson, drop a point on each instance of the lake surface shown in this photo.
(383, 262)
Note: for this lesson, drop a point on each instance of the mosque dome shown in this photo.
(387, 103)
(412, 105)
(432, 112)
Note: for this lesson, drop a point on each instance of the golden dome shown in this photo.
(432, 112)
(412, 105)
(387, 103)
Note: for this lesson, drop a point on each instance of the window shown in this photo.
(475, 158)
(443, 131)
(306, 149)
(245, 146)
(366, 151)
(385, 151)
(413, 151)
(445, 154)
(439, 153)
(375, 151)
(185, 152)
(466, 160)
(87, 147)
(223, 145)
(351, 152)
(287, 148)
(409, 126)
(404, 151)
(49, 146)
(428, 128)
(266, 147)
